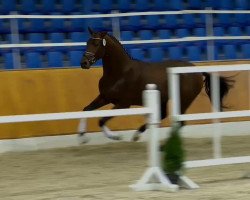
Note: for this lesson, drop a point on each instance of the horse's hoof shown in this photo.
(82, 138)
(115, 137)
(136, 137)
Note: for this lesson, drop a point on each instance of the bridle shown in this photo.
(90, 55)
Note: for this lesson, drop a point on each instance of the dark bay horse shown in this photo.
(124, 79)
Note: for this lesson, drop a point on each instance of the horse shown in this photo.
(124, 79)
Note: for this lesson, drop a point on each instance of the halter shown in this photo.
(103, 40)
(91, 56)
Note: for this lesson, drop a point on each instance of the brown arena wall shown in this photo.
(67, 90)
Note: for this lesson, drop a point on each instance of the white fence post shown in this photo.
(174, 94)
(209, 31)
(215, 96)
(15, 40)
(215, 115)
(116, 25)
(151, 99)
(154, 177)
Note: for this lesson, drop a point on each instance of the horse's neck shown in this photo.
(115, 58)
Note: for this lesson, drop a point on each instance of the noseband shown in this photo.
(91, 56)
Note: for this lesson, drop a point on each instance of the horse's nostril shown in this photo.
(84, 64)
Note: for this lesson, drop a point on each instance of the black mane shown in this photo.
(117, 41)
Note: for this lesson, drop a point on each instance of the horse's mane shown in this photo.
(118, 42)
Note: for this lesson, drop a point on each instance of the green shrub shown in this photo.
(173, 152)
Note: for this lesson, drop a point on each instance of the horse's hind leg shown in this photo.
(106, 131)
(139, 131)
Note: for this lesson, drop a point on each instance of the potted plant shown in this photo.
(173, 155)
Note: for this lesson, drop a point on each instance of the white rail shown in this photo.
(185, 39)
(218, 161)
(126, 14)
(214, 115)
(225, 68)
(73, 115)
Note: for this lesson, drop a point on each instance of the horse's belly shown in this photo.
(127, 98)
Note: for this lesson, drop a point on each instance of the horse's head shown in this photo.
(95, 48)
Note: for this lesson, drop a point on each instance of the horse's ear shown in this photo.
(90, 31)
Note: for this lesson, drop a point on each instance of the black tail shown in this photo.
(226, 83)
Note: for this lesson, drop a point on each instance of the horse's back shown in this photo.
(156, 73)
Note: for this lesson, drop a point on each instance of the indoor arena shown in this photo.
(69, 66)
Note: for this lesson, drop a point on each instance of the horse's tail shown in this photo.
(226, 83)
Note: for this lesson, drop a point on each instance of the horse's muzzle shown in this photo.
(88, 60)
(85, 64)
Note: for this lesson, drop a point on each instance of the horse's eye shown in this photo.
(96, 43)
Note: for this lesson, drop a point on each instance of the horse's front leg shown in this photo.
(98, 102)
(95, 104)
(106, 131)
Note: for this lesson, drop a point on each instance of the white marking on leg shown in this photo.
(82, 125)
(82, 131)
(108, 133)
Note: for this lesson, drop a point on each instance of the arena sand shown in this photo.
(106, 171)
